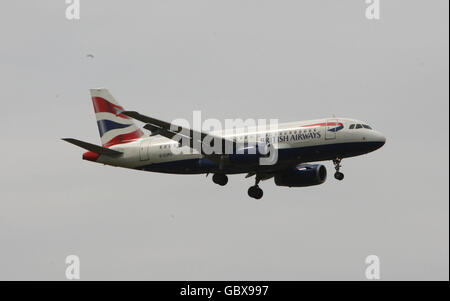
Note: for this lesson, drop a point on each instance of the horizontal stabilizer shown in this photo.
(94, 148)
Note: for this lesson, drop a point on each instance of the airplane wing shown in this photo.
(174, 132)
(261, 176)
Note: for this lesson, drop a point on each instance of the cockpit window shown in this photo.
(359, 126)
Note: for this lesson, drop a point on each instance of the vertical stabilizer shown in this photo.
(114, 127)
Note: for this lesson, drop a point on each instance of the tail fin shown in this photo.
(114, 127)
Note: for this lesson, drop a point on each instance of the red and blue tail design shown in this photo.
(114, 127)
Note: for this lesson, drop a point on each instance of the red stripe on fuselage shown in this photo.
(101, 105)
(324, 124)
(124, 138)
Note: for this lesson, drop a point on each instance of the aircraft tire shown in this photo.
(339, 176)
(220, 179)
(255, 192)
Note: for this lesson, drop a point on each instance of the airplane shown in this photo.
(295, 146)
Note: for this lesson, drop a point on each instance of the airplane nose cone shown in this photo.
(379, 140)
(382, 138)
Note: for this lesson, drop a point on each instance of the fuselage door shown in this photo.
(143, 149)
(330, 129)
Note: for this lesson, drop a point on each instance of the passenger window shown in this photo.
(359, 126)
(352, 126)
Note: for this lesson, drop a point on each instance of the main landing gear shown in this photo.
(220, 179)
(254, 191)
(337, 165)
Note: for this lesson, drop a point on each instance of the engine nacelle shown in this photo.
(301, 176)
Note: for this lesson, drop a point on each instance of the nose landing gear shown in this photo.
(337, 165)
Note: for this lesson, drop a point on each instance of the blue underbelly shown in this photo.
(286, 157)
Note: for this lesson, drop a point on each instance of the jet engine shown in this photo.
(302, 175)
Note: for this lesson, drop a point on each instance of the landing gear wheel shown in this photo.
(220, 179)
(339, 176)
(255, 192)
(337, 165)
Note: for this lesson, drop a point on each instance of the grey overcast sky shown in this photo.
(292, 60)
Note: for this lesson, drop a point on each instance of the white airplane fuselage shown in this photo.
(298, 142)
(292, 147)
